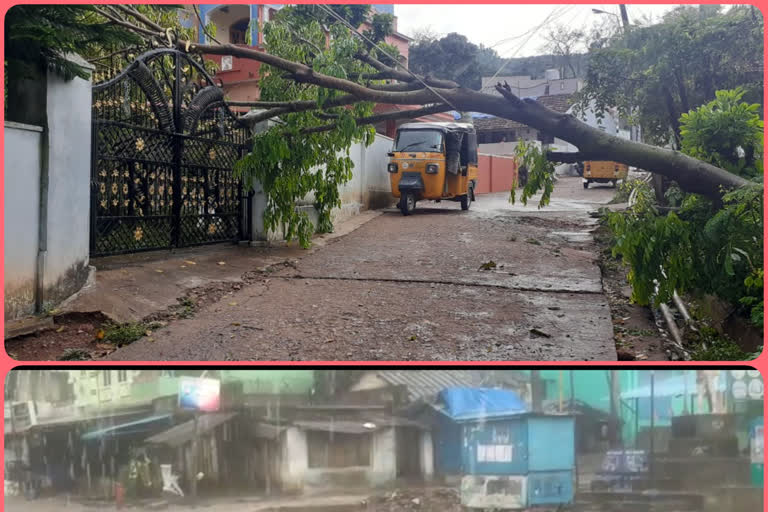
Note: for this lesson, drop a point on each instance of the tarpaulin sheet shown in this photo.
(479, 403)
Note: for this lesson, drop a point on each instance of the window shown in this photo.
(419, 140)
(238, 30)
(494, 453)
(335, 450)
(106, 378)
(122, 375)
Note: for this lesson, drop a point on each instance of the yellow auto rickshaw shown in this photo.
(603, 172)
(434, 161)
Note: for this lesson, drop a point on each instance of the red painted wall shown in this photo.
(242, 69)
(484, 174)
(496, 174)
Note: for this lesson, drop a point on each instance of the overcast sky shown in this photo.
(509, 29)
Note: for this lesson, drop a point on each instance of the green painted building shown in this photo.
(118, 389)
(674, 394)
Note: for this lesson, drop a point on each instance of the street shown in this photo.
(500, 282)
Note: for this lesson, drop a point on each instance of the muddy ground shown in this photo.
(500, 282)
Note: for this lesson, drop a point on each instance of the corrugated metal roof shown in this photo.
(426, 383)
(131, 427)
(443, 125)
(184, 432)
(557, 102)
(369, 423)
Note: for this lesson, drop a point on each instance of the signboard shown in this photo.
(739, 390)
(756, 448)
(755, 390)
(746, 384)
(199, 394)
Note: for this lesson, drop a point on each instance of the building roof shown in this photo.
(442, 125)
(557, 102)
(185, 432)
(526, 86)
(426, 383)
(361, 425)
(466, 404)
(132, 427)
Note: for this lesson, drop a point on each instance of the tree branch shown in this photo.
(388, 116)
(566, 158)
(137, 15)
(693, 175)
(202, 25)
(129, 26)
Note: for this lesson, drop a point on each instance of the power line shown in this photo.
(539, 27)
(534, 29)
(366, 39)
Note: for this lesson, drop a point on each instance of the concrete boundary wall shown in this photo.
(496, 173)
(47, 200)
(22, 216)
(368, 189)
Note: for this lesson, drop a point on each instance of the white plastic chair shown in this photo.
(170, 481)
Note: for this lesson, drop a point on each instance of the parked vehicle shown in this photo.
(434, 161)
(604, 172)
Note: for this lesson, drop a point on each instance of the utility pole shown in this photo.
(615, 396)
(536, 391)
(624, 17)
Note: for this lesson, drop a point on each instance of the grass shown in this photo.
(187, 306)
(75, 354)
(123, 334)
(718, 347)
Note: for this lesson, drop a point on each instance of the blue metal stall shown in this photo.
(511, 458)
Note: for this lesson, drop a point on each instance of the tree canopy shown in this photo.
(455, 58)
(330, 83)
(656, 73)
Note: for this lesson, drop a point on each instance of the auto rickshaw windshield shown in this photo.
(419, 140)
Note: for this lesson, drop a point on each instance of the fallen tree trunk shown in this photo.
(691, 174)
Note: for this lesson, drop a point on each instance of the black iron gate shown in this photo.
(164, 146)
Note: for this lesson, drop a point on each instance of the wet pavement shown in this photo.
(500, 282)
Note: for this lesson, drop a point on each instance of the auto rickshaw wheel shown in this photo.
(407, 203)
(586, 184)
(613, 183)
(466, 200)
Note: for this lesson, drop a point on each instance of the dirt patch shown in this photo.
(425, 500)
(634, 327)
(75, 336)
(71, 332)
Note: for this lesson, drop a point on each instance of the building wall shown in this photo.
(224, 20)
(369, 188)
(384, 467)
(427, 455)
(495, 173)
(64, 263)
(69, 186)
(297, 476)
(294, 459)
(145, 386)
(22, 215)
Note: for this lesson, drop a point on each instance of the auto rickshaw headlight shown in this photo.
(432, 168)
(392, 168)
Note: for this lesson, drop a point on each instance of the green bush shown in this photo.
(706, 246)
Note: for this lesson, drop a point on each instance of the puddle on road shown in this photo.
(573, 236)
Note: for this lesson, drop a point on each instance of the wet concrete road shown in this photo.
(421, 288)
